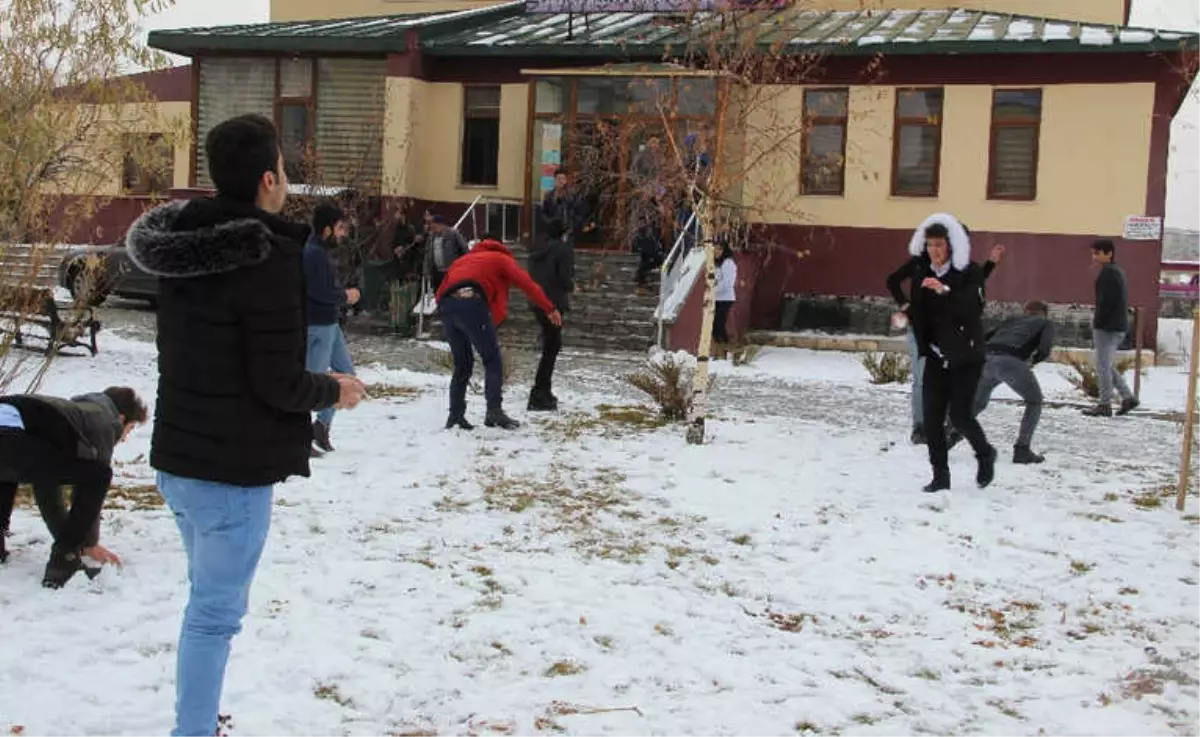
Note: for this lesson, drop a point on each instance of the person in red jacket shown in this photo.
(473, 302)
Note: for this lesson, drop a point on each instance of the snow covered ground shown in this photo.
(603, 577)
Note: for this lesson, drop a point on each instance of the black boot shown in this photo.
(918, 435)
(458, 421)
(62, 566)
(497, 418)
(1024, 454)
(1128, 405)
(541, 401)
(987, 468)
(941, 482)
(1100, 410)
(321, 437)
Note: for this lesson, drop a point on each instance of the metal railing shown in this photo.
(668, 269)
(425, 280)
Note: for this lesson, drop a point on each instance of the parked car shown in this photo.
(93, 273)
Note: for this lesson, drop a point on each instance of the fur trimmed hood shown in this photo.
(192, 238)
(960, 242)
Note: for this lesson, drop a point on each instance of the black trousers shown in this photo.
(950, 390)
(25, 458)
(551, 346)
(720, 332)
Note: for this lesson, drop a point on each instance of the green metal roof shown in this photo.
(834, 32)
(375, 35)
(507, 30)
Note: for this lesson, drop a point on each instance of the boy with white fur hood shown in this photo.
(946, 311)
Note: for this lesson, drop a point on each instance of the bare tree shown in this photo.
(74, 126)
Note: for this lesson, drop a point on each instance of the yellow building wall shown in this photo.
(1094, 151)
(287, 10)
(1096, 11)
(103, 177)
(423, 137)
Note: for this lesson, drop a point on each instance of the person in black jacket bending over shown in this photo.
(895, 283)
(1110, 323)
(50, 443)
(1012, 351)
(551, 266)
(234, 399)
(946, 312)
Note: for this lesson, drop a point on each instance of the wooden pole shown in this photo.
(1137, 353)
(1189, 413)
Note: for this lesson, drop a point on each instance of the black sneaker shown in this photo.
(497, 418)
(1100, 410)
(1023, 454)
(62, 566)
(321, 437)
(1128, 405)
(918, 435)
(987, 468)
(458, 421)
(941, 482)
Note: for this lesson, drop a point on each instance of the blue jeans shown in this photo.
(917, 362)
(468, 323)
(327, 351)
(224, 529)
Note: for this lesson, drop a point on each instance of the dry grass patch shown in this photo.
(887, 368)
(1084, 376)
(393, 391)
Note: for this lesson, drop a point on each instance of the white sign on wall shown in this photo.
(1139, 228)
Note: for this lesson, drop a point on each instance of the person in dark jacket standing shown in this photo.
(1110, 323)
(908, 271)
(234, 399)
(1012, 351)
(551, 266)
(946, 312)
(51, 443)
(444, 246)
(327, 350)
(473, 301)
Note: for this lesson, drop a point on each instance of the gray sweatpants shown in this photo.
(1018, 374)
(917, 362)
(1106, 344)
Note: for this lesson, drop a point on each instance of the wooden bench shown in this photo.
(65, 325)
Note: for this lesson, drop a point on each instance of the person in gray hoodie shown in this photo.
(1012, 350)
(51, 443)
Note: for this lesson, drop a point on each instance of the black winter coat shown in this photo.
(551, 266)
(1112, 300)
(952, 322)
(86, 427)
(233, 395)
(908, 271)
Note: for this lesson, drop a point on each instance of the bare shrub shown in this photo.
(887, 368)
(667, 380)
(745, 355)
(1084, 376)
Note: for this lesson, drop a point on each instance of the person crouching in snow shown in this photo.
(551, 264)
(473, 302)
(50, 443)
(946, 311)
(1012, 350)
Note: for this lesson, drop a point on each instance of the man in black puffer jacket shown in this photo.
(50, 443)
(234, 398)
(946, 313)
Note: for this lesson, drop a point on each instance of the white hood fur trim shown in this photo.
(960, 242)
